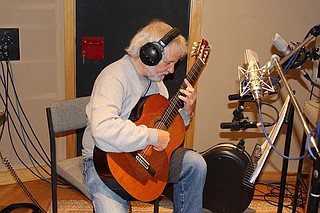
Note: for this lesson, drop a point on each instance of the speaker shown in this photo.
(151, 52)
(223, 190)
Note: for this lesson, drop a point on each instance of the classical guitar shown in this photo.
(144, 173)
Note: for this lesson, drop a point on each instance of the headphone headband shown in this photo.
(167, 38)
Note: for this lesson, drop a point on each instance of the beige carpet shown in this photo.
(83, 206)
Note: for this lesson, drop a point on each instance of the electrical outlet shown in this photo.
(9, 44)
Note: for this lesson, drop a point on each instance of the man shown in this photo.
(116, 91)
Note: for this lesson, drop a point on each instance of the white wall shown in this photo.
(231, 27)
(39, 74)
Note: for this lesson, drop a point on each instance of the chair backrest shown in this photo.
(69, 114)
(63, 116)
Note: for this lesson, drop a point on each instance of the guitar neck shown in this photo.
(176, 103)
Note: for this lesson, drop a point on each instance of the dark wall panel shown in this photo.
(117, 22)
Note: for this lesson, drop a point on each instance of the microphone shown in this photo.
(242, 125)
(282, 45)
(284, 48)
(252, 75)
(238, 125)
(254, 80)
(244, 98)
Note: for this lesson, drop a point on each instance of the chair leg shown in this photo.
(156, 205)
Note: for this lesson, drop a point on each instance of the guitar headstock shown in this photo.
(201, 49)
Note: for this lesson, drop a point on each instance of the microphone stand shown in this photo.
(313, 33)
(314, 184)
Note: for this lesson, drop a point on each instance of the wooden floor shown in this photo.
(41, 192)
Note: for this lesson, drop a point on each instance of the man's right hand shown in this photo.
(163, 140)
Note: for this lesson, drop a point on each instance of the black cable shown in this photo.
(12, 207)
(276, 110)
(6, 79)
(16, 177)
(18, 117)
(8, 115)
(274, 191)
(9, 118)
(5, 160)
(26, 118)
(5, 83)
(27, 150)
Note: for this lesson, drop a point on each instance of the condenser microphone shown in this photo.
(254, 75)
(282, 45)
(254, 81)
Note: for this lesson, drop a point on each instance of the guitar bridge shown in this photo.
(144, 163)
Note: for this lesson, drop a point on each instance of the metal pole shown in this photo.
(296, 106)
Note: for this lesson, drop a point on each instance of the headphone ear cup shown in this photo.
(151, 53)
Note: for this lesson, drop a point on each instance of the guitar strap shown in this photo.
(147, 89)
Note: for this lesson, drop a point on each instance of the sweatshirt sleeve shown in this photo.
(186, 118)
(108, 112)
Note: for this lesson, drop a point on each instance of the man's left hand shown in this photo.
(189, 99)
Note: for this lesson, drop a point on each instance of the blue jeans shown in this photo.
(188, 192)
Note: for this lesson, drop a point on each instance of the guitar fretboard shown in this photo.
(176, 103)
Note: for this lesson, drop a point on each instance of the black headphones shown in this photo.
(151, 52)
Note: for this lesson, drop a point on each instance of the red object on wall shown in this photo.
(92, 48)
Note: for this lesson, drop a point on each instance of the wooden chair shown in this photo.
(64, 116)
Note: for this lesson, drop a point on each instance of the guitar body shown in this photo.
(131, 175)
